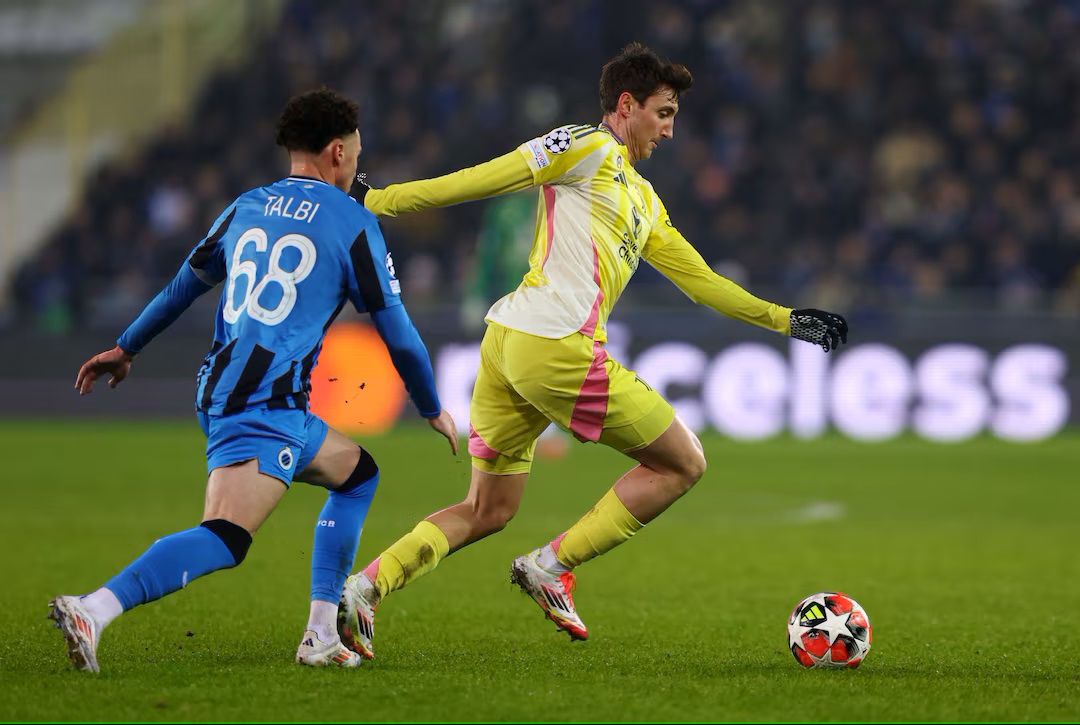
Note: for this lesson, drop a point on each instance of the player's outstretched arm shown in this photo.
(116, 362)
(502, 175)
(162, 311)
(682, 264)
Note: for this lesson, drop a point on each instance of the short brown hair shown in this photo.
(311, 120)
(642, 72)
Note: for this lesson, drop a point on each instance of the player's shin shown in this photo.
(604, 527)
(173, 561)
(410, 557)
(337, 534)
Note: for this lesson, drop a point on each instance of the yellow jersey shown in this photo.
(597, 219)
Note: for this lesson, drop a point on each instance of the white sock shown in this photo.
(548, 560)
(102, 605)
(323, 620)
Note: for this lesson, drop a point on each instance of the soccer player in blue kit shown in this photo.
(290, 255)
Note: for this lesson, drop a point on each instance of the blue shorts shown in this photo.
(284, 440)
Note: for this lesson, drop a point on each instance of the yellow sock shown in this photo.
(604, 527)
(410, 557)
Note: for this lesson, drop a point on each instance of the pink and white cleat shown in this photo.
(551, 591)
(79, 629)
(356, 614)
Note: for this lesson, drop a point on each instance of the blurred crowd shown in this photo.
(861, 156)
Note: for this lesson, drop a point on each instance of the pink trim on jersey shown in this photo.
(589, 327)
(587, 420)
(549, 206)
(477, 446)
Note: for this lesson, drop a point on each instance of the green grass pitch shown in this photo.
(966, 558)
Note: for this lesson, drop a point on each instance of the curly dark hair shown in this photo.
(639, 70)
(311, 120)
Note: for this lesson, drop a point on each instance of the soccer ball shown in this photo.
(829, 629)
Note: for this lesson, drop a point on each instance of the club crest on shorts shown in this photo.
(558, 141)
(285, 458)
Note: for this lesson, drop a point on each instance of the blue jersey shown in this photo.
(289, 255)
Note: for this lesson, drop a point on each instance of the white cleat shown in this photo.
(551, 591)
(79, 629)
(356, 614)
(313, 652)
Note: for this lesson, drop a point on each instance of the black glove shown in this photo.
(363, 188)
(821, 328)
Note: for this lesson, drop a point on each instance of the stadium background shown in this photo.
(912, 164)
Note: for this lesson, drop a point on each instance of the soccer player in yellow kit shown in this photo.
(542, 355)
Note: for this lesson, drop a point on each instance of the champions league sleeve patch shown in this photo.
(558, 141)
(395, 285)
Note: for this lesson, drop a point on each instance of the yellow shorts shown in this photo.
(526, 381)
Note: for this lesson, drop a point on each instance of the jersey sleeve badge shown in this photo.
(395, 285)
(558, 141)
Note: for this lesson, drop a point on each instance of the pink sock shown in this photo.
(372, 569)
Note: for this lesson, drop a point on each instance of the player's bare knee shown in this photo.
(697, 444)
(493, 519)
(691, 460)
(491, 516)
(697, 466)
(691, 467)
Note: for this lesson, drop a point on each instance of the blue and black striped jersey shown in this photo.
(289, 254)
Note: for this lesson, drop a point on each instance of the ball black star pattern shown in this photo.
(558, 141)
